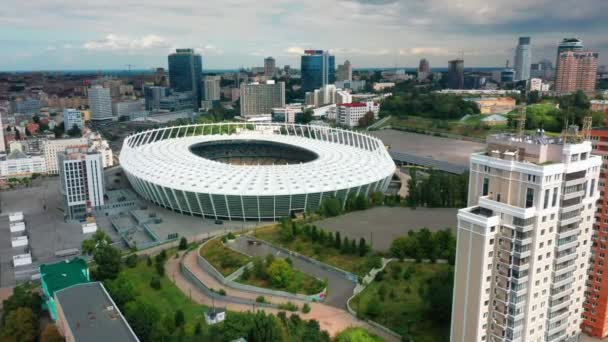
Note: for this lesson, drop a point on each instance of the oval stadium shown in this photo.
(267, 171)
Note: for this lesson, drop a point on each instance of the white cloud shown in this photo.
(425, 50)
(117, 42)
(294, 50)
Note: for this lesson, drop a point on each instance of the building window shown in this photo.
(592, 188)
(554, 201)
(529, 198)
(546, 200)
(486, 186)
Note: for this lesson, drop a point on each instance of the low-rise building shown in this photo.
(17, 165)
(87, 313)
(57, 276)
(380, 86)
(599, 105)
(494, 120)
(349, 114)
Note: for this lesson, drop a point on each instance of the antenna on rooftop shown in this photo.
(521, 122)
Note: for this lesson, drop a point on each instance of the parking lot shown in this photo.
(381, 225)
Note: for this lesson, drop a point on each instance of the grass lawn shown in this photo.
(224, 259)
(301, 244)
(302, 284)
(402, 305)
(167, 299)
(471, 127)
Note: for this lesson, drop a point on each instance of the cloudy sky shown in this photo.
(108, 34)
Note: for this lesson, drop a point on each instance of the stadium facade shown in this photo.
(266, 171)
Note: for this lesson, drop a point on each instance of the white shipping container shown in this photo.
(19, 241)
(88, 228)
(15, 217)
(22, 260)
(17, 227)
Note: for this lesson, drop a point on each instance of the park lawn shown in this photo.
(472, 127)
(224, 259)
(302, 284)
(168, 298)
(406, 308)
(348, 262)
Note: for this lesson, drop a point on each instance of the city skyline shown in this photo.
(382, 33)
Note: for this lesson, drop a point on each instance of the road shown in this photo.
(330, 318)
(339, 289)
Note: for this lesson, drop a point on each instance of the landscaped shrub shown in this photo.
(305, 308)
(155, 283)
(289, 306)
(131, 261)
(260, 299)
(183, 244)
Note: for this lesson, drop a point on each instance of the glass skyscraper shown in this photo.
(318, 69)
(523, 59)
(185, 74)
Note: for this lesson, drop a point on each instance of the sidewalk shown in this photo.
(330, 318)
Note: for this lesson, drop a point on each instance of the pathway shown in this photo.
(330, 318)
(339, 290)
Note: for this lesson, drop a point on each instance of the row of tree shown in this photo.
(424, 244)
(289, 230)
(427, 105)
(437, 189)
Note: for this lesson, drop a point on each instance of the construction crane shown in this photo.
(587, 123)
(129, 66)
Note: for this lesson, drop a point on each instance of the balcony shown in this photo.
(480, 216)
(565, 257)
(566, 245)
(559, 317)
(569, 268)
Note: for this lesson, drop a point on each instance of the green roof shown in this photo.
(63, 274)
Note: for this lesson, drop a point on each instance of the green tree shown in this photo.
(17, 134)
(99, 239)
(21, 325)
(108, 260)
(438, 297)
(179, 319)
(338, 241)
(306, 117)
(264, 328)
(280, 272)
(378, 197)
(75, 131)
(23, 296)
(121, 290)
(363, 249)
(361, 202)
(331, 207)
(142, 318)
(345, 249)
(183, 243)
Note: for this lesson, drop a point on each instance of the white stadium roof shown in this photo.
(340, 164)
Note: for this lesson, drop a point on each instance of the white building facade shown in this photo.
(82, 181)
(72, 117)
(53, 146)
(349, 114)
(100, 103)
(524, 241)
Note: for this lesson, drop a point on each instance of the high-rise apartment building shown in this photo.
(595, 313)
(261, 98)
(576, 70)
(270, 66)
(82, 181)
(523, 59)
(72, 117)
(318, 68)
(185, 74)
(568, 44)
(2, 142)
(52, 147)
(344, 72)
(524, 241)
(456, 74)
(424, 69)
(211, 88)
(100, 103)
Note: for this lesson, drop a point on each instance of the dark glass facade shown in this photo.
(318, 69)
(185, 74)
(456, 74)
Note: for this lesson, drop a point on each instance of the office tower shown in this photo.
(185, 74)
(456, 74)
(595, 315)
(153, 95)
(523, 59)
(269, 66)
(261, 98)
(576, 70)
(100, 103)
(523, 243)
(568, 44)
(72, 117)
(211, 88)
(318, 68)
(424, 69)
(82, 181)
(345, 72)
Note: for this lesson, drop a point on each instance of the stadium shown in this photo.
(262, 171)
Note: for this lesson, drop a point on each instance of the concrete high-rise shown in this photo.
(211, 88)
(595, 315)
(261, 98)
(2, 143)
(100, 103)
(523, 59)
(318, 68)
(270, 66)
(185, 74)
(82, 181)
(576, 70)
(72, 117)
(456, 74)
(524, 241)
(344, 72)
(424, 69)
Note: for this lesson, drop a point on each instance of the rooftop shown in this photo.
(63, 274)
(92, 315)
